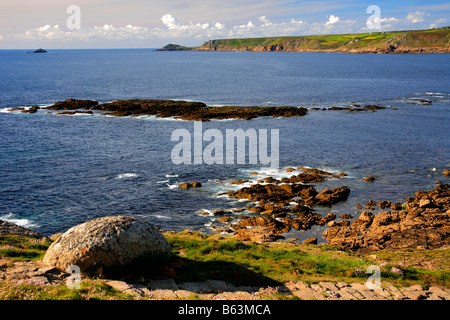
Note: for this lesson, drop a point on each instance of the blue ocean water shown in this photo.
(59, 171)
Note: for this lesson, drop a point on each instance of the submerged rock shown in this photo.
(108, 241)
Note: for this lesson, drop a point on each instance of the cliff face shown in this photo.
(421, 41)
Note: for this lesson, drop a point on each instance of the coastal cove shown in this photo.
(58, 170)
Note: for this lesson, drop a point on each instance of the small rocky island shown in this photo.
(183, 110)
(40, 50)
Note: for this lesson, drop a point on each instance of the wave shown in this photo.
(11, 217)
(162, 181)
(210, 213)
(172, 186)
(171, 176)
(159, 216)
(127, 175)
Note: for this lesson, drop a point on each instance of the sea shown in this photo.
(57, 171)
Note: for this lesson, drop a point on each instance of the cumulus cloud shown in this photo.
(169, 21)
(264, 20)
(332, 20)
(106, 31)
(172, 28)
(416, 16)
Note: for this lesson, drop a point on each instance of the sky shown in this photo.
(79, 24)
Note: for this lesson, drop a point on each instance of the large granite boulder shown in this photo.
(108, 241)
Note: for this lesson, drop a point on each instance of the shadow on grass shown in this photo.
(183, 270)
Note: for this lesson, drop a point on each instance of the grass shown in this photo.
(198, 257)
(90, 290)
(415, 38)
(282, 262)
(22, 248)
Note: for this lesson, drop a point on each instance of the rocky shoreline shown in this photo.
(278, 206)
(421, 224)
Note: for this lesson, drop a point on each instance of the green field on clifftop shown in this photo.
(432, 38)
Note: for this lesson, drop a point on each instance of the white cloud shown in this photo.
(171, 28)
(332, 20)
(219, 26)
(436, 24)
(391, 19)
(265, 20)
(415, 17)
(442, 20)
(169, 21)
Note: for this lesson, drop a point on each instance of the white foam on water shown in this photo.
(172, 186)
(162, 181)
(171, 176)
(210, 213)
(127, 175)
(11, 217)
(158, 216)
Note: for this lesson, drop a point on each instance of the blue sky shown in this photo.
(154, 23)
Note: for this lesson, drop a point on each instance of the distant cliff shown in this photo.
(415, 41)
(175, 47)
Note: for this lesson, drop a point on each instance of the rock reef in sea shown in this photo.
(183, 110)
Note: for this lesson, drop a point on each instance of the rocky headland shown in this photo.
(399, 42)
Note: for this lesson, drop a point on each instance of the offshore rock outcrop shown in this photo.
(184, 110)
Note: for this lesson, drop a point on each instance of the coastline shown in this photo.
(397, 240)
(393, 42)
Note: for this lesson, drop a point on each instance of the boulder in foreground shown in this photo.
(108, 241)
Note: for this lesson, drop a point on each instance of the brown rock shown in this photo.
(188, 185)
(327, 197)
(225, 219)
(424, 223)
(258, 235)
(218, 212)
(310, 241)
